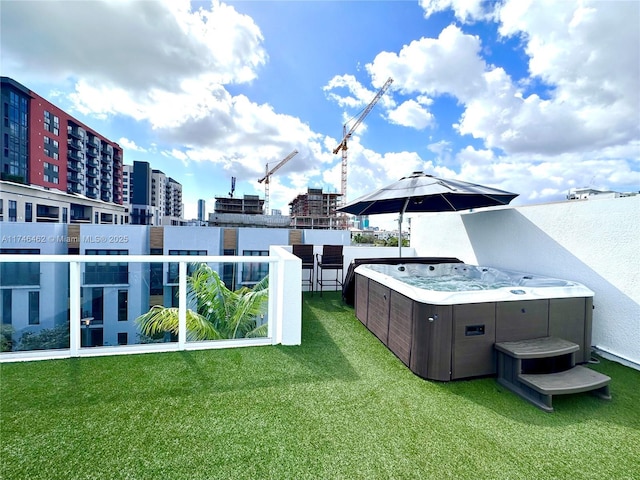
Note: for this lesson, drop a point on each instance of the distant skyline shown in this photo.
(534, 97)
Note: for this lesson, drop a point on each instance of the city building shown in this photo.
(76, 173)
(202, 214)
(153, 198)
(35, 296)
(316, 209)
(587, 193)
(246, 211)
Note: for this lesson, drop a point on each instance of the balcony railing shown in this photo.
(74, 155)
(75, 144)
(91, 319)
(76, 132)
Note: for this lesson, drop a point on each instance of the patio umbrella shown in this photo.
(420, 192)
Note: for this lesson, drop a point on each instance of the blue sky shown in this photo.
(534, 97)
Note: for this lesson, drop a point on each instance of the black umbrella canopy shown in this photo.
(420, 192)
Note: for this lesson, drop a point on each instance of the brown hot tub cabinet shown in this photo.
(440, 341)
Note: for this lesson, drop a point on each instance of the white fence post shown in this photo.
(75, 307)
(182, 305)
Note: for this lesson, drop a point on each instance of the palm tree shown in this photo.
(214, 312)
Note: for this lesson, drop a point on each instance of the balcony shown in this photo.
(75, 166)
(74, 188)
(107, 149)
(106, 168)
(75, 155)
(93, 162)
(92, 192)
(92, 172)
(75, 144)
(80, 218)
(75, 177)
(92, 152)
(106, 277)
(76, 132)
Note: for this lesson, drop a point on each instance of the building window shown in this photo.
(51, 172)
(122, 338)
(174, 267)
(34, 308)
(229, 270)
(103, 273)
(123, 302)
(13, 211)
(97, 305)
(65, 214)
(155, 274)
(254, 272)
(1, 210)
(16, 274)
(6, 306)
(28, 212)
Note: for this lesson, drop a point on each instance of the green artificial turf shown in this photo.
(338, 406)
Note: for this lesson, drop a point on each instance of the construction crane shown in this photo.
(268, 174)
(343, 144)
(233, 187)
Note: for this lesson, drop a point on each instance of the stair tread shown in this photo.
(576, 379)
(542, 347)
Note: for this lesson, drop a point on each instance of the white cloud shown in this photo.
(464, 10)
(130, 145)
(359, 96)
(131, 45)
(411, 114)
(594, 96)
(447, 64)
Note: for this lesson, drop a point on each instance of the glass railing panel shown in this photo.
(112, 314)
(34, 306)
(122, 303)
(216, 311)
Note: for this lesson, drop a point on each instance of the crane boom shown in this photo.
(346, 135)
(268, 174)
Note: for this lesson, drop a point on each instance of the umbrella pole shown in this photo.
(400, 236)
(404, 207)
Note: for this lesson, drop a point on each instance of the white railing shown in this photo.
(283, 311)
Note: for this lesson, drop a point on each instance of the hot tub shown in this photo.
(442, 320)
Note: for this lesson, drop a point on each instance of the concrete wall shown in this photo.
(594, 242)
(326, 237)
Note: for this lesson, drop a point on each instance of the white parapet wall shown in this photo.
(594, 242)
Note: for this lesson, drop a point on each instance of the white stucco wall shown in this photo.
(596, 243)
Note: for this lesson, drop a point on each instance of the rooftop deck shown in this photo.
(340, 405)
